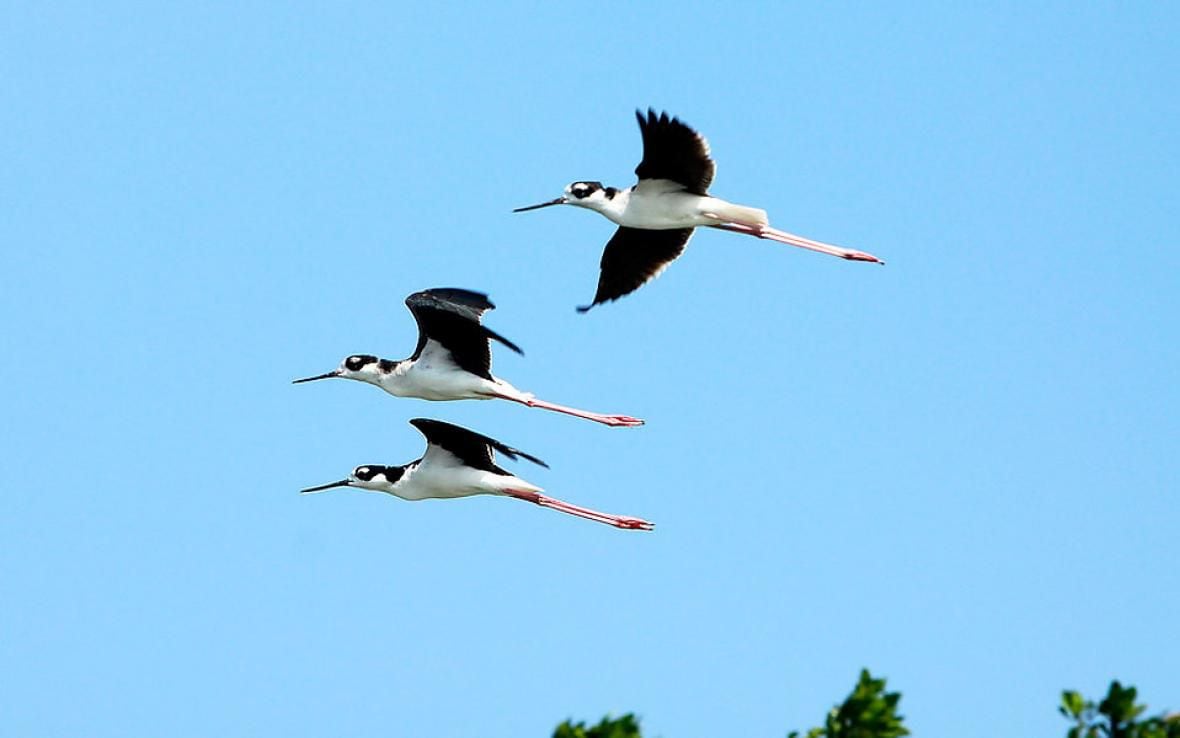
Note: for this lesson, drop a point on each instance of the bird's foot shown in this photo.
(620, 421)
(862, 256)
(632, 523)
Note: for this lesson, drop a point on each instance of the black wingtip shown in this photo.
(492, 334)
(516, 454)
(457, 295)
(582, 309)
(647, 120)
(530, 457)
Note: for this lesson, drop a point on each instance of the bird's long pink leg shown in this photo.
(618, 521)
(612, 420)
(775, 234)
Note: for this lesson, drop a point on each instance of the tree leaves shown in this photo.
(869, 712)
(626, 726)
(1116, 716)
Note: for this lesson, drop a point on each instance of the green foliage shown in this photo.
(1116, 716)
(869, 712)
(624, 727)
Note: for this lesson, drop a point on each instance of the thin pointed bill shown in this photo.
(322, 487)
(328, 375)
(558, 201)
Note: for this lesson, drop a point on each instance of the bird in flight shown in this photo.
(461, 463)
(453, 358)
(656, 217)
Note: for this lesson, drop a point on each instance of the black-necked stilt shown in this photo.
(460, 463)
(453, 358)
(656, 216)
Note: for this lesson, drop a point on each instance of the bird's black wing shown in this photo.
(672, 150)
(465, 302)
(633, 257)
(451, 317)
(471, 448)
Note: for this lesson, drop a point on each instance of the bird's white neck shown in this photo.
(430, 377)
(612, 207)
(388, 375)
(396, 381)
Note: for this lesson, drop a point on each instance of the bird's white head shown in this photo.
(590, 195)
(361, 367)
(376, 477)
(371, 477)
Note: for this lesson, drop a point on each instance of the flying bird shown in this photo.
(453, 358)
(461, 463)
(656, 217)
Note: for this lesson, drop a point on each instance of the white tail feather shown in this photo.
(731, 213)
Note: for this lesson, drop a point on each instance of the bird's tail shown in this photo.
(508, 392)
(731, 213)
(510, 482)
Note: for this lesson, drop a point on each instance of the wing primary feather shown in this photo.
(453, 298)
(492, 334)
(674, 151)
(474, 449)
(633, 257)
(512, 453)
(453, 317)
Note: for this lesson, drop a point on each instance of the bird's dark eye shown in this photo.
(363, 473)
(582, 190)
(354, 363)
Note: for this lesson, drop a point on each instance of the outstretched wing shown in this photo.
(633, 257)
(471, 448)
(672, 150)
(451, 318)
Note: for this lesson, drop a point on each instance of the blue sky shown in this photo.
(958, 470)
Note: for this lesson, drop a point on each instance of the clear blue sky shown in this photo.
(959, 470)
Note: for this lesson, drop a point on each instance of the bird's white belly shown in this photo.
(660, 204)
(664, 211)
(451, 479)
(435, 378)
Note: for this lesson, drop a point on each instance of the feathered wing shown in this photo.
(634, 257)
(451, 317)
(473, 449)
(672, 150)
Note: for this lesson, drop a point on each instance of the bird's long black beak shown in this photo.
(558, 201)
(329, 375)
(322, 487)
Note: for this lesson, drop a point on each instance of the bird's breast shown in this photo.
(440, 481)
(434, 378)
(662, 210)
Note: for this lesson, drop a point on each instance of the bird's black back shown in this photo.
(471, 448)
(672, 150)
(451, 317)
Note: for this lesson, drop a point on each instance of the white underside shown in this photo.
(664, 205)
(441, 475)
(434, 376)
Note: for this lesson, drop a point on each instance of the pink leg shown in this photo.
(611, 420)
(775, 234)
(618, 521)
